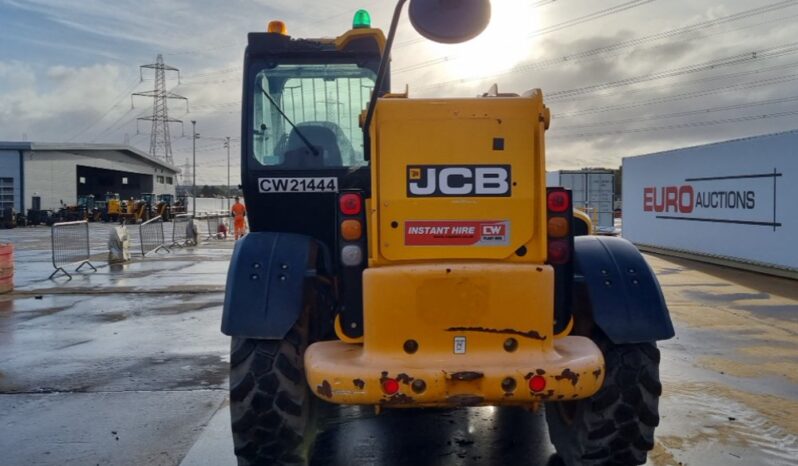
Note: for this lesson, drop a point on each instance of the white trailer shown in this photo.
(593, 192)
(734, 201)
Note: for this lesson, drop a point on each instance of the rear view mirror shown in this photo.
(450, 21)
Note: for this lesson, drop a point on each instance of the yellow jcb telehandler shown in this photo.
(406, 253)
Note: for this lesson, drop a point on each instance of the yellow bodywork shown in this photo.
(462, 309)
(423, 132)
(581, 216)
(113, 207)
(481, 304)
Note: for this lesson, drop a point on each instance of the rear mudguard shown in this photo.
(265, 284)
(624, 295)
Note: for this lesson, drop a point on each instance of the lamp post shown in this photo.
(194, 137)
(227, 191)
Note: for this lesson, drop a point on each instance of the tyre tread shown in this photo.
(616, 425)
(269, 400)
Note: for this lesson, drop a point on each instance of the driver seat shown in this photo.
(297, 154)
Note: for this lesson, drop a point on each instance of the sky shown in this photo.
(622, 77)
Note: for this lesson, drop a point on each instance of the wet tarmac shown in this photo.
(126, 366)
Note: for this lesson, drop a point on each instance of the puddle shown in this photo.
(700, 295)
(786, 312)
(662, 271)
(109, 316)
(70, 345)
(163, 372)
(184, 307)
(749, 429)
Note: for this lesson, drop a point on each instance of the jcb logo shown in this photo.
(458, 180)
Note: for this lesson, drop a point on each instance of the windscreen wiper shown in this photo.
(313, 150)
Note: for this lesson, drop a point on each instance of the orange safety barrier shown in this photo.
(6, 267)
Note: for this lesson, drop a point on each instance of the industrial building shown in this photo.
(47, 175)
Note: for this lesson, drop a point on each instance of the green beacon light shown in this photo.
(362, 20)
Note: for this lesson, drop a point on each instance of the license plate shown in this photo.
(298, 185)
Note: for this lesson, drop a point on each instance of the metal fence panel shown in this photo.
(152, 237)
(179, 224)
(213, 224)
(70, 244)
(213, 220)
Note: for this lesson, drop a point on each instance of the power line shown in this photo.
(590, 17)
(232, 69)
(695, 124)
(574, 57)
(133, 85)
(113, 125)
(690, 82)
(702, 111)
(541, 3)
(683, 96)
(566, 24)
(747, 57)
(205, 50)
(580, 98)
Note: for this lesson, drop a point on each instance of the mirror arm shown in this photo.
(386, 58)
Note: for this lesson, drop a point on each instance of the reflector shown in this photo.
(351, 255)
(557, 227)
(351, 230)
(558, 252)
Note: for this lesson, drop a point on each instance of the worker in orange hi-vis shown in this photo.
(239, 218)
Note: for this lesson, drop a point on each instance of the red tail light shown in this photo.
(537, 383)
(558, 201)
(390, 386)
(350, 204)
(559, 252)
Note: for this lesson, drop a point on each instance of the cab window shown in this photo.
(323, 101)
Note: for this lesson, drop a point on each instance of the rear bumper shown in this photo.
(343, 373)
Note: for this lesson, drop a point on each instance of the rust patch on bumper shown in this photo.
(467, 376)
(325, 389)
(532, 334)
(547, 395)
(404, 378)
(569, 375)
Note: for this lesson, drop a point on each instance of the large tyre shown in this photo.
(271, 406)
(616, 425)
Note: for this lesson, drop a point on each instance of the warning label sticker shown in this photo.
(457, 233)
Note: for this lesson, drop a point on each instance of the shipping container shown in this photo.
(593, 192)
(734, 200)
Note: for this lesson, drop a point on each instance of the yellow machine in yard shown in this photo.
(112, 207)
(407, 253)
(134, 211)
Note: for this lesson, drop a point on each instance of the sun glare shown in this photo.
(501, 46)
